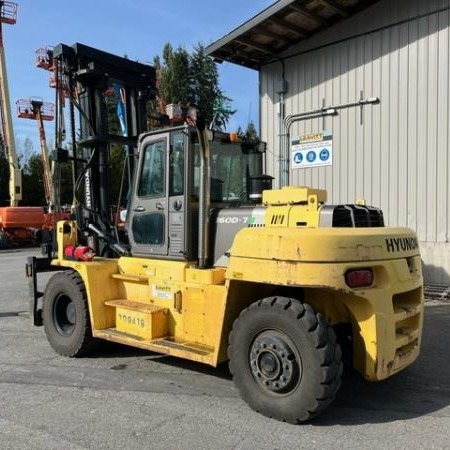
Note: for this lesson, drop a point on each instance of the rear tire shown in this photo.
(284, 359)
(66, 315)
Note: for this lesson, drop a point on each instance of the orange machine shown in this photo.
(36, 109)
(21, 224)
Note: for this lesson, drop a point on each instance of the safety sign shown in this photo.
(312, 150)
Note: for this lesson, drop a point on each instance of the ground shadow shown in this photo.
(421, 389)
(11, 314)
(106, 350)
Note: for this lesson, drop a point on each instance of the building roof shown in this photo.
(261, 39)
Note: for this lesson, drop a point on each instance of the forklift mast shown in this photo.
(88, 74)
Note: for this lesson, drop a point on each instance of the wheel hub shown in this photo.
(274, 364)
(269, 364)
(70, 313)
(64, 315)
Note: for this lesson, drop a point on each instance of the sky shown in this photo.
(135, 28)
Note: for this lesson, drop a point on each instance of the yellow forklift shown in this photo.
(213, 265)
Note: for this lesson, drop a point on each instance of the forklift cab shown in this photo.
(162, 219)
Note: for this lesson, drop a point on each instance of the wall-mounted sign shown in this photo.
(312, 150)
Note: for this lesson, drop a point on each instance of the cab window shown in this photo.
(153, 173)
(176, 160)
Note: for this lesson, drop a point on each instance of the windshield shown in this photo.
(232, 167)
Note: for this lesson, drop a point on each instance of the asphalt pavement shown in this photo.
(120, 397)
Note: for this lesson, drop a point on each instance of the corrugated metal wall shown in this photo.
(394, 154)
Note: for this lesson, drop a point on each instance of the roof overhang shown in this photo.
(286, 23)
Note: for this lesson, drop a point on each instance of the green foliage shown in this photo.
(173, 74)
(250, 133)
(113, 120)
(66, 183)
(192, 79)
(117, 161)
(33, 182)
(24, 151)
(33, 193)
(206, 94)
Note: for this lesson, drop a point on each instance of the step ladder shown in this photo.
(147, 326)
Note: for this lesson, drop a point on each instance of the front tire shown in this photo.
(284, 359)
(66, 315)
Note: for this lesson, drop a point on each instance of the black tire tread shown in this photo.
(325, 343)
(85, 344)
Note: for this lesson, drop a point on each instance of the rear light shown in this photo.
(355, 278)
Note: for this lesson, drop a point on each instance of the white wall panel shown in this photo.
(397, 158)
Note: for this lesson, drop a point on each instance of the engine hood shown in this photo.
(325, 244)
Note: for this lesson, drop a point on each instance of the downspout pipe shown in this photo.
(282, 163)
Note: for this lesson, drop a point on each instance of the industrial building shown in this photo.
(354, 98)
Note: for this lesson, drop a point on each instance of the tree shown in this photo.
(173, 74)
(117, 176)
(206, 94)
(250, 133)
(26, 150)
(65, 183)
(33, 193)
(191, 80)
